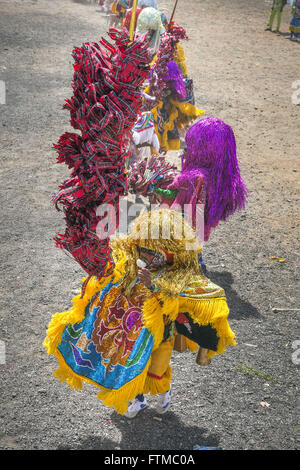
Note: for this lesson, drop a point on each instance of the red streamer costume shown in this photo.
(104, 107)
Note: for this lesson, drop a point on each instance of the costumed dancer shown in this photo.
(210, 176)
(276, 9)
(174, 108)
(119, 8)
(105, 104)
(295, 22)
(153, 4)
(143, 134)
(144, 137)
(119, 335)
(149, 21)
(140, 5)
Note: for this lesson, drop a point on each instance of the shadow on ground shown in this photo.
(146, 433)
(239, 309)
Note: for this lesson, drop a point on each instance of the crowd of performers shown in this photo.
(145, 293)
(276, 11)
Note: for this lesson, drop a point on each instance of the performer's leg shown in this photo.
(279, 16)
(159, 374)
(271, 19)
(157, 381)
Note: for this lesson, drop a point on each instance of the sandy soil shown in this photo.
(242, 75)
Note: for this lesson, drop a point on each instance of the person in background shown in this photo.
(277, 9)
(119, 8)
(295, 23)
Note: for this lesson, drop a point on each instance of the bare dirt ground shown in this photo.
(249, 397)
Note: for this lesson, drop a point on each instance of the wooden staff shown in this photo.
(132, 20)
(173, 13)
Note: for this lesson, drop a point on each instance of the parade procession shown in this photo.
(145, 293)
(149, 303)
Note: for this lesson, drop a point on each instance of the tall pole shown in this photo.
(132, 20)
(173, 12)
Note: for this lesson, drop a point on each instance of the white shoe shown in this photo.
(163, 402)
(135, 407)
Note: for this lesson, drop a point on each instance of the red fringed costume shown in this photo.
(104, 107)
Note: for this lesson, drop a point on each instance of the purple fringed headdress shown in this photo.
(211, 156)
(174, 76)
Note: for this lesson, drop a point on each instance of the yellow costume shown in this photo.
(172, 114)
(115, 337)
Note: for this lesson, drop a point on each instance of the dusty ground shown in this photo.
(242, 75)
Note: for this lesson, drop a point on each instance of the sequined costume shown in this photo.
(118, 336)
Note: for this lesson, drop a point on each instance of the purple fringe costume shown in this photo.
(210, 157)
(175, 78)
